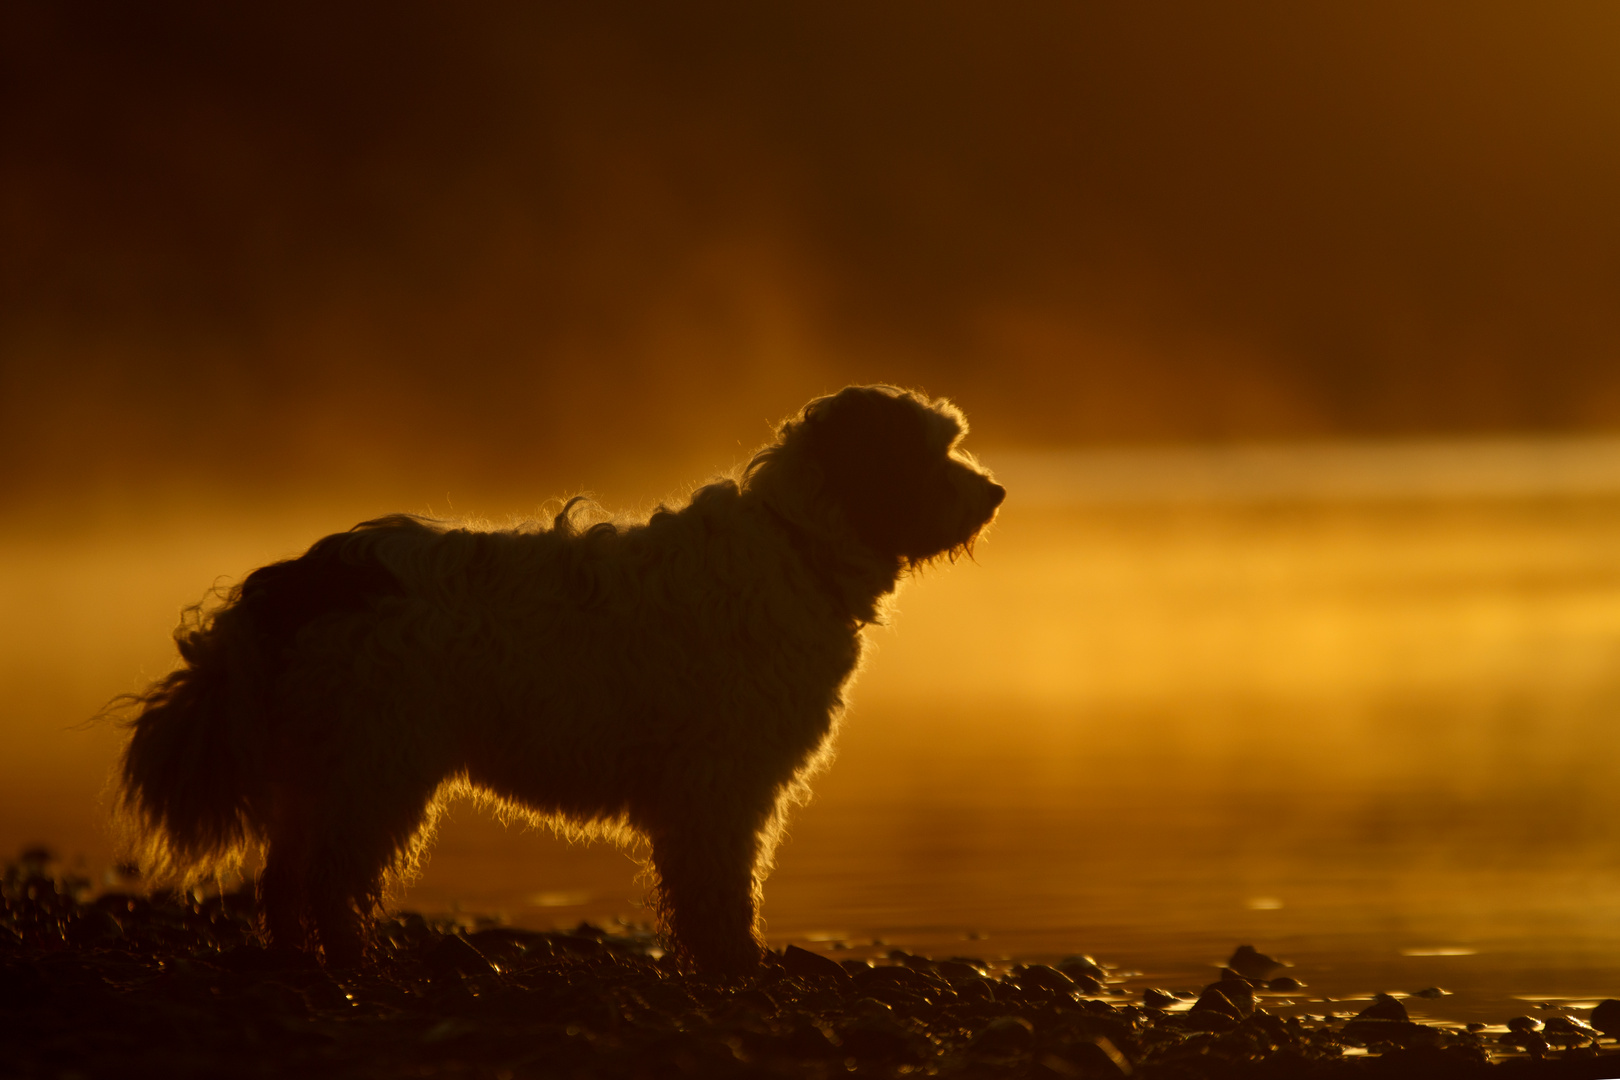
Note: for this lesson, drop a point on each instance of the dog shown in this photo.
(671, 682)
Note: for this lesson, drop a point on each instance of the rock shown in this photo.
(1386, 1021)
(1530, 1041)
(1154, 998)
(807, 1041)
(955, 970)
(870, 1007)
(453, 955)
(1082, 965)
(1432, 992)
(1254, 965)
(1218, 997)
(1093, 1058)
(1203, 1020)
(1041, 977)
(1004, 1036)
(1285, 984)
(755, 1001)
(903, 977)
(1087, 984)
(879, 1037)
(1384, 1007)
(806, 964)
(971, 961)
(911, 960)
(1568, 1031)
(325, 994)
(1524, 1023)
(1606, 1016)
(976, 990)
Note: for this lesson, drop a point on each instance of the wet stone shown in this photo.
(1041, 977)
(1385, 1007)
(1253, 965)
(976, 991)
(1095, 1058)
(1158, 999)
(1232, 998)
(804, 963)
(955, 970)
(1004, 1035)
(1606, 1016)
(880, 1037)
(1532, 1042)
(1568, 1031)
(1080, 965)
(454, 954)
(903, 977)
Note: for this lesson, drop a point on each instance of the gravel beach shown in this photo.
(114, 984)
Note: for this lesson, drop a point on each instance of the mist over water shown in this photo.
(1374, 736)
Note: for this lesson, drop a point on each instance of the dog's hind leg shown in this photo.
(707, 894)
(340, 908)
(317, 880)
(284, 882)
(365, 831)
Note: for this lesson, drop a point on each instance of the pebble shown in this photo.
(1004, 1035)
(1385, 1007)
(1226, 999)
(1568, 1030)
(1041, 977)
(1158, 999)
(1254, 965)
(1606, 1016)
(452, 954)
(1081, 965)
(804, 963)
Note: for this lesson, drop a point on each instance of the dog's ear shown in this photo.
(884, 458)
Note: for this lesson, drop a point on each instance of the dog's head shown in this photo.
(888, 462)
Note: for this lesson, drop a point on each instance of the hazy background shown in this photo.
(1292, 329)
(507, 246)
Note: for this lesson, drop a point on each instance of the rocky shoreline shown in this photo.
(121, 985)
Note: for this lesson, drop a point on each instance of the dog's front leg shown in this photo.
(707, 894)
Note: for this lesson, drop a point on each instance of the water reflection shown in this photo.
(1375, 738)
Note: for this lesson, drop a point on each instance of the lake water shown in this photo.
(1371, 731)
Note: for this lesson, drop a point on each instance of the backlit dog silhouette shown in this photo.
(674, 680)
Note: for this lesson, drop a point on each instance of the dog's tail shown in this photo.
(195, 778)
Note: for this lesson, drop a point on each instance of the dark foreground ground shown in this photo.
(118, 985)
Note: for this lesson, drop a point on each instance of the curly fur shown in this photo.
(673, 681)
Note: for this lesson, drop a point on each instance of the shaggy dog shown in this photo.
(672, 681)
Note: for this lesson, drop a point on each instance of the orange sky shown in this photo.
(485, 246)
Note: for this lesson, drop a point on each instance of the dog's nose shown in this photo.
(997, 493)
